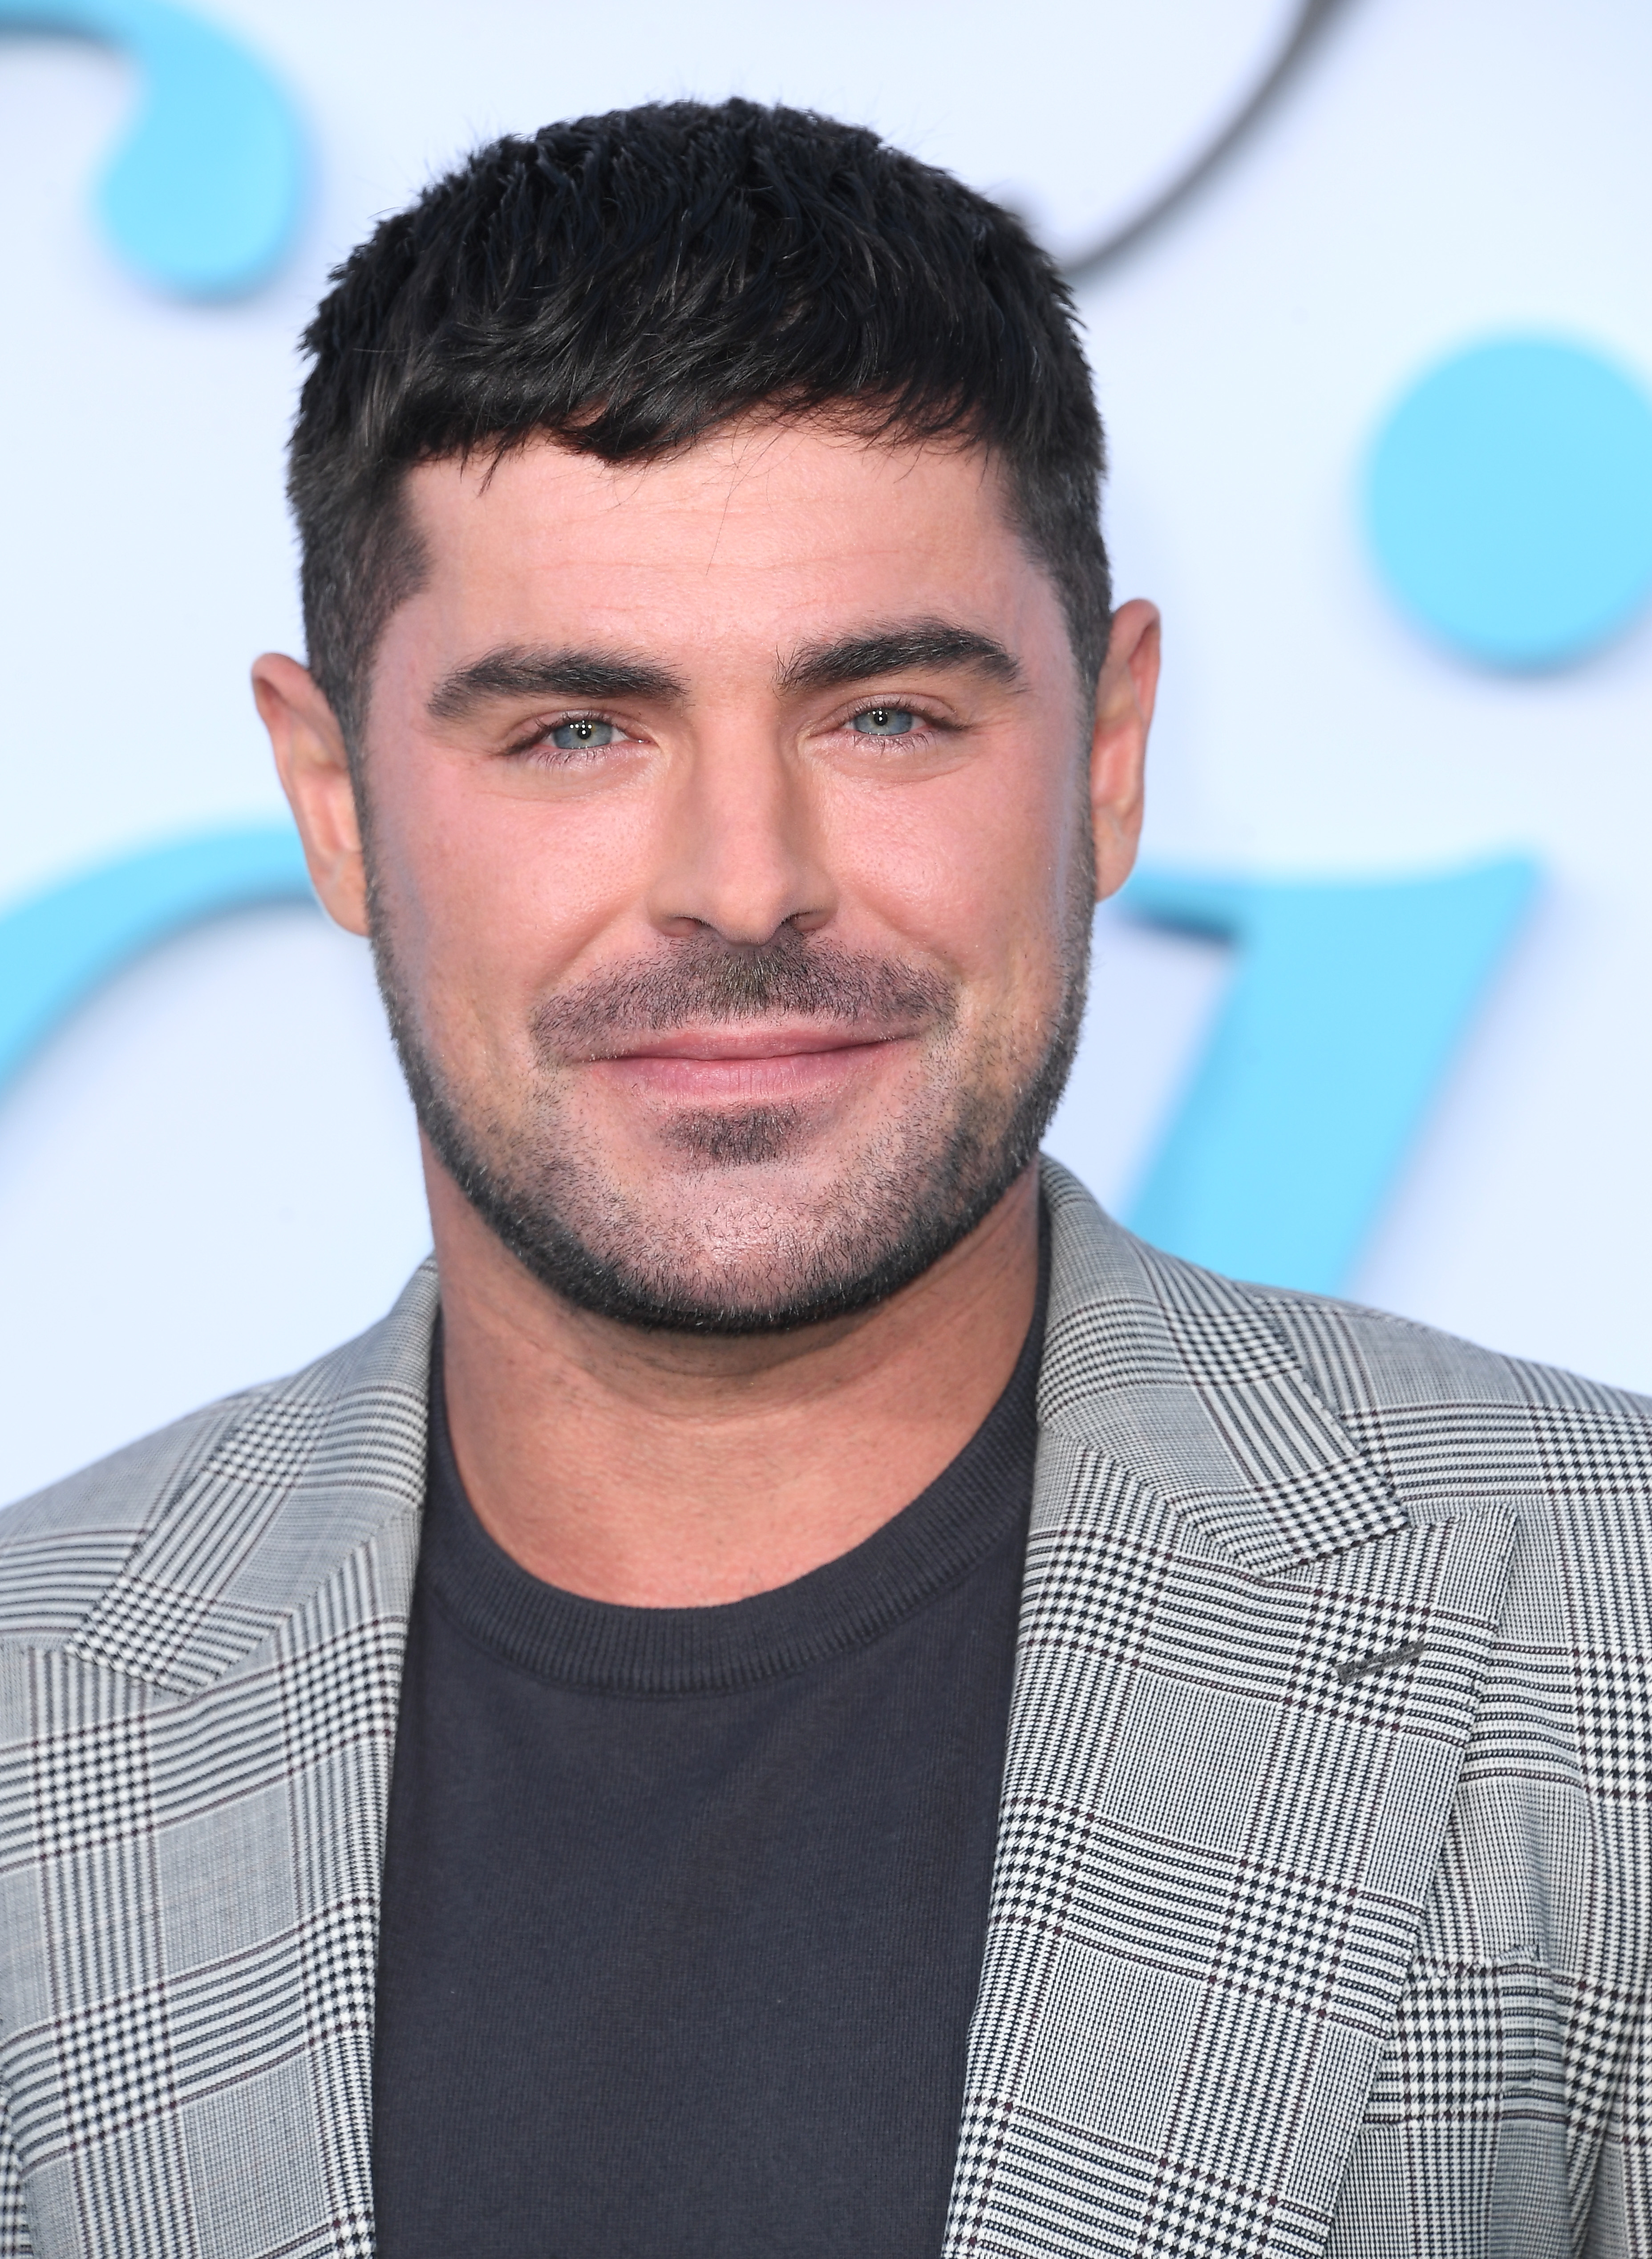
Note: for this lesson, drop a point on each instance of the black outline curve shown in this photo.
(1312, 18)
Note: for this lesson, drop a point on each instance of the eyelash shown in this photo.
(926, 724)
(538, 743)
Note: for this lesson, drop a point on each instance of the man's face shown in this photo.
(731, 863)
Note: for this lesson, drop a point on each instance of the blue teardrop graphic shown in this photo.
(204, 194)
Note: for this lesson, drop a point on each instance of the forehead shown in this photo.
(760, 536)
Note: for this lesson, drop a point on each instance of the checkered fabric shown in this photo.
(1321, 1917)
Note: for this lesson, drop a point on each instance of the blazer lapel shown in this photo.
(217, 1736)
(1244, 1684)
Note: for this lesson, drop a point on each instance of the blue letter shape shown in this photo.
(204, 194)
(1345, 1007)
(61, 945)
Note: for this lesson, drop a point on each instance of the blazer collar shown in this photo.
(1174, 1374)
(317, 1467)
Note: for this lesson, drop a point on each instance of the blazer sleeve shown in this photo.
(1620, 2223)
(15, 2240)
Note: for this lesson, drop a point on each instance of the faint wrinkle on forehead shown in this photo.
(722, 516)
(745, 441)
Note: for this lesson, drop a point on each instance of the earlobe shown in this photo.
(313, 763)
(1125, 696)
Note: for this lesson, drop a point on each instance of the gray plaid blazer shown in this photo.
(1320, 1921)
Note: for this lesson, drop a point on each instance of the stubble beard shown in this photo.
(760, 1262)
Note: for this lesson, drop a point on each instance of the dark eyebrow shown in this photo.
(886, 650)
(517, 671)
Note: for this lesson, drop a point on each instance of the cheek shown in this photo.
(976, 869)
(493, 897)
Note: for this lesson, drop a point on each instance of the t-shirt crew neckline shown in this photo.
(606, 1648)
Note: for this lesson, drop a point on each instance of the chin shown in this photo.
(758, 1250)
(757, 1231)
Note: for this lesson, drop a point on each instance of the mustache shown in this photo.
(706, 980)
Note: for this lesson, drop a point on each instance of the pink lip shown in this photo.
(753, 1065)
(763, 1042)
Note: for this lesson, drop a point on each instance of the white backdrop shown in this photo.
(208, 1174)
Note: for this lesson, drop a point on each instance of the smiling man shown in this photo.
(803, 1693)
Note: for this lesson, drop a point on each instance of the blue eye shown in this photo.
(585, 735)
(885, 722)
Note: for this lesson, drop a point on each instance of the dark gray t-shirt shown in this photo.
(684, 1908)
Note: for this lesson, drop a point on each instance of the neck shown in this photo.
(672, 1471)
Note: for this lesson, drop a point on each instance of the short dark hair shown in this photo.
(626, 283)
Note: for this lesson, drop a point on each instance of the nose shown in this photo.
(741, 852)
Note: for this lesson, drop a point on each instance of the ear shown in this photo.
(1118, 750)
(314, 768)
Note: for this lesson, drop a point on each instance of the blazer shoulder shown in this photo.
(1447, 1416)
(1125, 1314)
(63, 1548)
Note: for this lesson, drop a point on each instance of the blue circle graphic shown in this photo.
(1511, 501)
